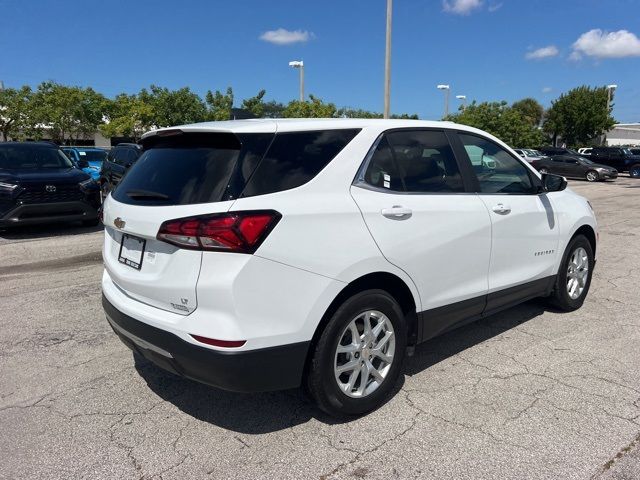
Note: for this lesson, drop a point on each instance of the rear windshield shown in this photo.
(181, 170)
(192, 168)
(32, 157)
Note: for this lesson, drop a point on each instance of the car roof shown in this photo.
(30, 145)
(306, 124)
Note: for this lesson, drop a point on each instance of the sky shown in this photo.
(488, 50)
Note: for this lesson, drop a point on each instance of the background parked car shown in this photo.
(39, 184)
(635, 150)
(622, 159)
(530, 155)
(118, 161)
(87, 159)
(551, 151)
(575, 167)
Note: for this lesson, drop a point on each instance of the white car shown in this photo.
(267, 254)
(585, 151)
(530, 155)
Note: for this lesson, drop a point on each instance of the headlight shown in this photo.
(88, 184)
(7, 187)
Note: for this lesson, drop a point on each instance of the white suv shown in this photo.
(265, 254)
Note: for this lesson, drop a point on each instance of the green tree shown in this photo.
(530, 109)
(255, 104)
(504, 122)
(273, 109)
(66, 113)
(15, 106)
(128, 116)
(315, 108)
(219, 104)
(174, 107)
(580, 116)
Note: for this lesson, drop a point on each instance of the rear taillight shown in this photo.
(240, 232)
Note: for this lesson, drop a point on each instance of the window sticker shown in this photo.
(387, 180)
(82, 154)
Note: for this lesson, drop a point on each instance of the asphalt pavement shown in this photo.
(527, 393)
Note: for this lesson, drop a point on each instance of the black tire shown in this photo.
(90, 223)
(592, 176)
(634, 171)
(321, 383)
(560, 297)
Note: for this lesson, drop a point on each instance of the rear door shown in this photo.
(416, 205)
(524, 223)
(176, 177)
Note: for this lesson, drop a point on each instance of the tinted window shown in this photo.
(295, 158)
(119, 156)
(426, 161)
(28, 157)
(188, 169)
(496, 169)
(382, 170)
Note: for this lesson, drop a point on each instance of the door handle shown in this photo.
(397, 212)
(502, 209)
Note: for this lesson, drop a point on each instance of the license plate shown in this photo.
(131, 251)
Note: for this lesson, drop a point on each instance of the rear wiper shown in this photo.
(146, 194)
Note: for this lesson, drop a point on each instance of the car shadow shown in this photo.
(34, 232)
(261, 413)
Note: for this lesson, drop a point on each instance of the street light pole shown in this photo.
(446, 89)
(299, 64)
(387, 62)
(610, 89)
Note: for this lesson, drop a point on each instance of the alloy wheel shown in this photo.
(577, 273)
(592, 176)
(364, 354)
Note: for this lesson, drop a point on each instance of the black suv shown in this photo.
(39, 184)
(622, 159)
(119, 160)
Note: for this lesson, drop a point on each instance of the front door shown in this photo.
(524, 223)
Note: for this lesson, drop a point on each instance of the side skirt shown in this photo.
(437, 321)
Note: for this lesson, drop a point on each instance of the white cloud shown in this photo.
(547, 90)
(461, 7)
(282, 36)
(544, 52)
(600, 44)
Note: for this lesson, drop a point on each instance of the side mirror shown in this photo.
(553, 183)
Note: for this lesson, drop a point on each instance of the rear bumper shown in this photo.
(35, 213)
(264, 369)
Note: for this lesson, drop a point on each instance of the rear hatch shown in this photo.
(179, 175)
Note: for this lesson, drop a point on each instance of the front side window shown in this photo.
(419, 161)
(497, 171)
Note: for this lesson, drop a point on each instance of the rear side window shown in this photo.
(419, 161)
(295, 158)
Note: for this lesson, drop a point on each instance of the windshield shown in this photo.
(32, 157)
(627, 151)
(92, 155)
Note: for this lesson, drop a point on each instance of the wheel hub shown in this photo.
(364, 354)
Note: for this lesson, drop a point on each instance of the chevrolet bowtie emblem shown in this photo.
(119, 223)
